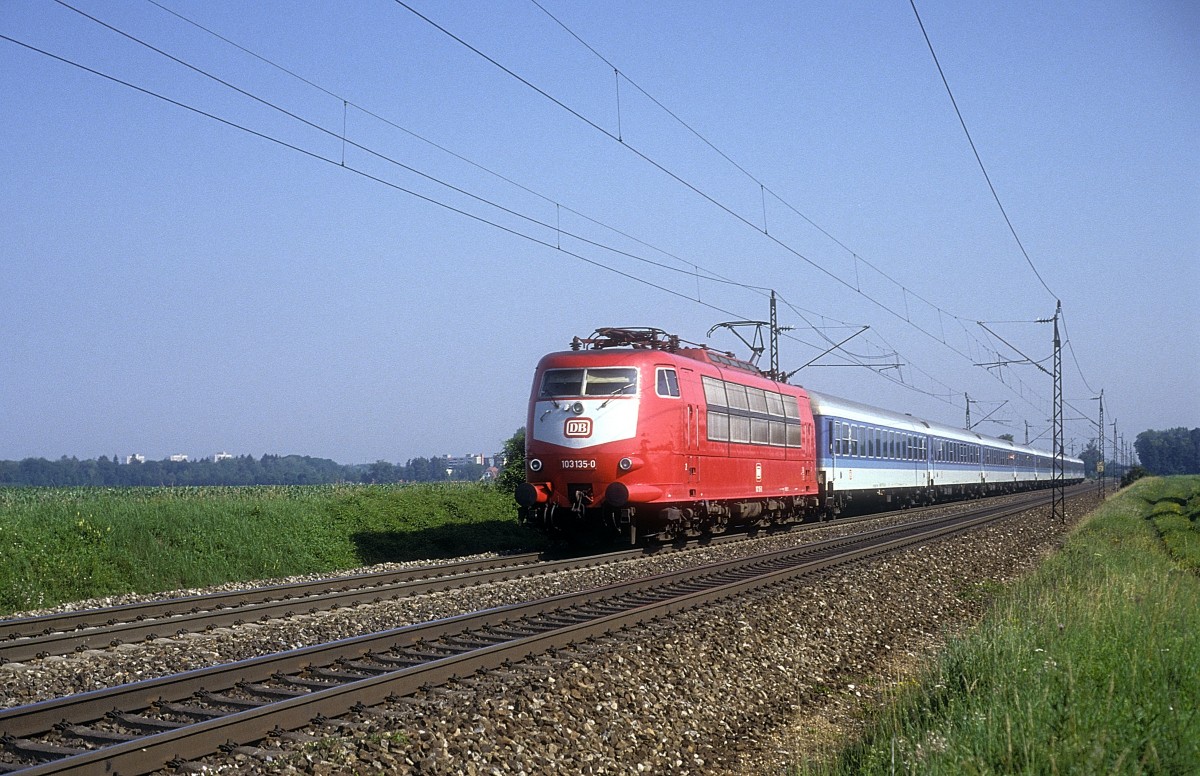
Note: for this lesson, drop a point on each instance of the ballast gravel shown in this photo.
(746, 687)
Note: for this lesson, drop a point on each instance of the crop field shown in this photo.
(65, 544)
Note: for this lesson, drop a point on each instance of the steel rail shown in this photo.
(172, 607)
(157, 619)
(562, 627)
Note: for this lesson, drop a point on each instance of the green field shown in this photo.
(1091, 665)
(65, 544)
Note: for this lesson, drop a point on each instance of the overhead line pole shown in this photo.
(1059, 483)
(1103, 467)
(1057, 480)
(1114, 425)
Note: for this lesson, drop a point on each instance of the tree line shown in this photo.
(238, 470)
(1174, 451)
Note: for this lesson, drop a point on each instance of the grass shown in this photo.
(1091, 665)
(67, 544)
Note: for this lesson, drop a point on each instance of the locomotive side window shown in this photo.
(737, 396)
(744, 414)
(739, 429)
(758, 400)
(714, 392)
(718, 426)
(608, 381)
(667, 382)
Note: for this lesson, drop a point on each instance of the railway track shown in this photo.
(139, 727)
(28, 638)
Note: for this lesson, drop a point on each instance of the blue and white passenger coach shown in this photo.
(866, 454)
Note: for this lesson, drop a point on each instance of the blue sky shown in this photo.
(174, 284)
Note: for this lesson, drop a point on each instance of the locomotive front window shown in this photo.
(606, 381)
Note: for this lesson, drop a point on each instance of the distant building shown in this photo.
(179, 458)
(222, 456)
(135, 458)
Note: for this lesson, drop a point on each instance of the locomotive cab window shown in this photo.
(603, 381)
(667, 382)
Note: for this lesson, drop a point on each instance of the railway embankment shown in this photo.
(105, 545)
(1088, 665)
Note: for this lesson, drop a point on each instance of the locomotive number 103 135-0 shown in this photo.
(579, 463)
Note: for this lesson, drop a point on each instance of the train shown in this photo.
(635, 432)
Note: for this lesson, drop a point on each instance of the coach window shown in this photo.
(794, 436)
(760, 431)
(791, 407)
(778, 433)
(667, 382)
(775, 404)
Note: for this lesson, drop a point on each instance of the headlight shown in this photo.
(577, 408)
(629, 463)
(535, 465)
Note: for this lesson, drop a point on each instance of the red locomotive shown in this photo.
(634, 431)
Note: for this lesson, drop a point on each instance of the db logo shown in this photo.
(578, 427)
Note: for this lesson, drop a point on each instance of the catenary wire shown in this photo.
(906, 318)
(341, 137)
